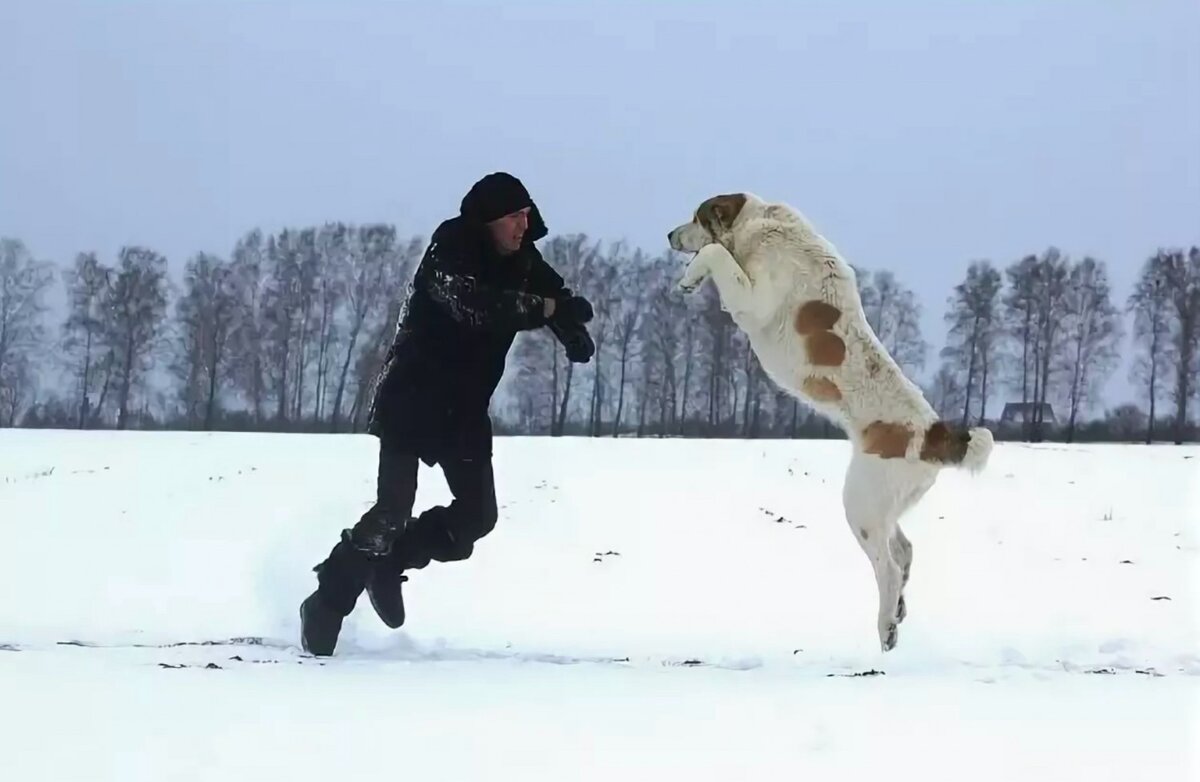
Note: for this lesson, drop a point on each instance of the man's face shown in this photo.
(508, 231)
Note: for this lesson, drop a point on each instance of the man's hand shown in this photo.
(575, 339)
(577, 309)
(579, 346)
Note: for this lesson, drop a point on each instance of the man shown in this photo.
(481, 281)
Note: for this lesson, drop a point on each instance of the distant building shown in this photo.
(1023, 412)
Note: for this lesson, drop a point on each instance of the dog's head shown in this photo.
(711, 223)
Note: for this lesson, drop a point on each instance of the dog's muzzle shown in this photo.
(688, 237)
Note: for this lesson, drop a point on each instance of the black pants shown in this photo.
(442, 533)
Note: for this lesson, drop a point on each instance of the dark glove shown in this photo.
(574, 309)
(577, 342)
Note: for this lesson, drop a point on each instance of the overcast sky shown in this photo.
(918, 135)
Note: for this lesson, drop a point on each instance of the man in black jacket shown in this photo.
(481, 281)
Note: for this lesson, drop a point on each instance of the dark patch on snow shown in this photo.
(779, 519)
(1125, 562)
(250, 640)
(857, 674)
(9, 648)
(1160, 597)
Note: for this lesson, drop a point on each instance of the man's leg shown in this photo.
(344, 574)
(448, 533)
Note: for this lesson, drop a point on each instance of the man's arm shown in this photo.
(545, 281)
(573, 335)
(452, 285)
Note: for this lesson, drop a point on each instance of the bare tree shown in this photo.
(205, 313)
(628, 307)
(23, 282)
(134, 317)
(1150, 303)
(1034, 307)
(287, 302)
(1182, 276)
(577, 260)
(87, 285)
(332, 247)
(308, 271)
(947, 393)
(248, 339)
(1020, 317)
(600, 285)
(894, 315)
(374, 270)
(1091, 329)
(667, 334)
(974, 323)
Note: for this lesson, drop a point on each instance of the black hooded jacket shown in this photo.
(465, 306)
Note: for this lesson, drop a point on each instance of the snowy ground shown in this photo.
(608, 629)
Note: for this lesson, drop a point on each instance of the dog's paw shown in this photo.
(691, 280)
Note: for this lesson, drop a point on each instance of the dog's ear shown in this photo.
(717, 214)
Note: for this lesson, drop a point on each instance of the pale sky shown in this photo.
(918, 136)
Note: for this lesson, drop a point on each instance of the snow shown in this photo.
(1052, 629)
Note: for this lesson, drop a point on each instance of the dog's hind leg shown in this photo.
(887, 578)
(869, 513)
(901, 549)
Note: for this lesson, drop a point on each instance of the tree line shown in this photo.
(287, 332)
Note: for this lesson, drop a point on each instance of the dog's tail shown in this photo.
(951, 445)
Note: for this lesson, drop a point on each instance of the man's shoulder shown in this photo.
(455, 231)
(453, 243)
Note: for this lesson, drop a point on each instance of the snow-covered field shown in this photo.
(652, 610)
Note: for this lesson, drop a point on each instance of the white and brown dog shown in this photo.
(797, 300)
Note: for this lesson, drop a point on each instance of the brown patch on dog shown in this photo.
(821, 389)
(888, 441)
(825, 349)
(816, 315)
(945, 444)
(718, 213)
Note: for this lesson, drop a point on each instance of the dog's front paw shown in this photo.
(693, 277)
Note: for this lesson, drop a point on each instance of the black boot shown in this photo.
(320, 625)
(384, 582)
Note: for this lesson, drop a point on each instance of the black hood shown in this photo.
(498, 194)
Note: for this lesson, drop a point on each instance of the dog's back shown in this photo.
(813, 338)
